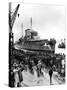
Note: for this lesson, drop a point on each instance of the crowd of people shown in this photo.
(30, 64)
(38, 62)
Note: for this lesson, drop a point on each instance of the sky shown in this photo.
(47, 20)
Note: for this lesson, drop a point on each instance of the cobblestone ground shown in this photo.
(33, 80)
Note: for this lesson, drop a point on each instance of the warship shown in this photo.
(31, 42)
(62, 44)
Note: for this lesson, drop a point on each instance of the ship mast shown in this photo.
(31, 22)
(22, 29)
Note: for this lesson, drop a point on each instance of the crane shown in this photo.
(12, 18)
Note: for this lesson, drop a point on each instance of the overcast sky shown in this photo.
(47, 20)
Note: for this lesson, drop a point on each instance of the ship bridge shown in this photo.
(31, 34)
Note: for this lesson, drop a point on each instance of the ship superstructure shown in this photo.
(32, 42)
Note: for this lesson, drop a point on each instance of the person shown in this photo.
(20, 77)
(16, 76)
(50, 74)
(12, 79)
(39, 68)
(31, 67)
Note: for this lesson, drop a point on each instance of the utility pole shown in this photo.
(12, 17)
